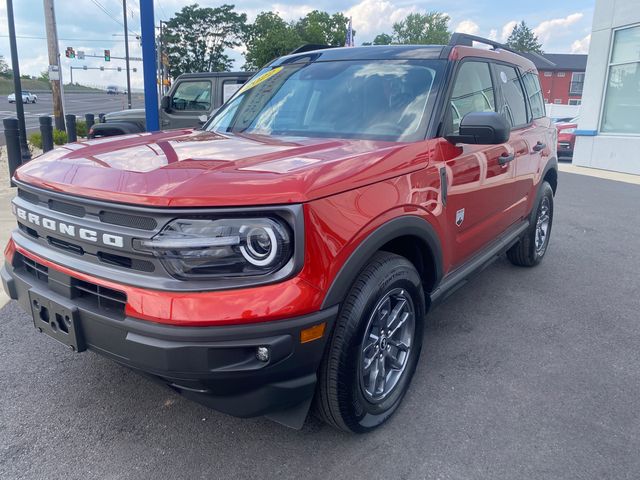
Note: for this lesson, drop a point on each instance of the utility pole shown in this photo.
(54, 60)
(126, 52)
(15, 66)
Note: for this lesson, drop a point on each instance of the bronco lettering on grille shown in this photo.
(69, 230)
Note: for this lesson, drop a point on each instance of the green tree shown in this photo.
(523, 39)
(422, 29)
(383, 39)
(196, 38)
(267, 38)
(5, 71)
(323, 28)
(44, 75)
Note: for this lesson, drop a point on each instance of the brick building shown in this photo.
(561, 77)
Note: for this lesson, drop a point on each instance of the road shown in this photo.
(77, 103)
(525, 374)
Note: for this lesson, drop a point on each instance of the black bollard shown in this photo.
(46, 132)
(89, 119)
(12, 137)
(71, 128)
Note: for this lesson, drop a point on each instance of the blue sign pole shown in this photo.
(149, 65)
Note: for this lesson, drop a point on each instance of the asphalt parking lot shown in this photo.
(76, 103)
(525, 373)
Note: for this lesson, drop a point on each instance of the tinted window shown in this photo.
(514, 105)
(230, 87)
(472, 92)
(532, 86)
(192, 96)
(386, 100)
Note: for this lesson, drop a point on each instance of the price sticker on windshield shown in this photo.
(257, 81)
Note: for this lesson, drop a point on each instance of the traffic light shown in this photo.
(70, 53)
(107, 55)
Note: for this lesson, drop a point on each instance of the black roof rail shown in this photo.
(466, 40)
(310, 47)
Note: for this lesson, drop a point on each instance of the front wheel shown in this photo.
(375, 346)
(531, 248)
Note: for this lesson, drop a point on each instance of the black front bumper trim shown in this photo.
(216, 366)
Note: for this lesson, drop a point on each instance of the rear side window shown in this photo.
(472, 92)
(514, 106)
(532, 86)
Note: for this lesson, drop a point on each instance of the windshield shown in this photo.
(374, 100)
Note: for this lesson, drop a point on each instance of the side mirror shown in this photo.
(165, 103)
(482, 128)
(202, 119)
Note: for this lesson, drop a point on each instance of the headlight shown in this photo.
(229, 247)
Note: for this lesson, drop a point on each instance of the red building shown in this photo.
(561, 76)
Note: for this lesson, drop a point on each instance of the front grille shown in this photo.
(28, 196)
(68, 208)
(99, 297)
(125, 220)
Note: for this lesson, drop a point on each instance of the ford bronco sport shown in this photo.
(284, 256)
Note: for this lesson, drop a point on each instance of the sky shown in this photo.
(94, 25)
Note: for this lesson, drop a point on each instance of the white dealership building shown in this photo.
(608, 134)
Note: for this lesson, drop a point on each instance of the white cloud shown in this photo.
(493, 34)
(507, 29)
(550, 28)
(468, 26)
(581, 46)
(371, 17)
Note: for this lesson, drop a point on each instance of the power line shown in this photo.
(33, 37)
(101, 7)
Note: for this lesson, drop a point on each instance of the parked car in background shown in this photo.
(112, 90)
(192, 97)
(27, 97)
(566, 138)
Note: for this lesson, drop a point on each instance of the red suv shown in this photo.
(286, 253)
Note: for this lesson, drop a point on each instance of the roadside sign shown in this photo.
(54, 72)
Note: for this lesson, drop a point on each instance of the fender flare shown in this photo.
(107, 129)
(552, 164)
(411, 225)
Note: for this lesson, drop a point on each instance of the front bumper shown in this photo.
(216, 366)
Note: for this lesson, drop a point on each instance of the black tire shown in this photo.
(528, 253)
(341, 397)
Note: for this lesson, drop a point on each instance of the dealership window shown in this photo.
(561, 74)
(621, 109)
(548, 74)
(558, 101)
(577, 83)
(575, 101)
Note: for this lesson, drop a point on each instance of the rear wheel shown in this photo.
(375, 346)
(531, 248)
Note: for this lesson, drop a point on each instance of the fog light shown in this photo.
(262, 354)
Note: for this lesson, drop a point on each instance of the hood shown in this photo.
(196, 168)
(134, 113)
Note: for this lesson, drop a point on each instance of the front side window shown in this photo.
(513, 101)
(472, 92)
(230, 87)
(192, 95)
(532, 86)
(384, 100)
(621, 111)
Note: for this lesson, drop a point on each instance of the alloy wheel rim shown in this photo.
(386, 346)
(542, 225)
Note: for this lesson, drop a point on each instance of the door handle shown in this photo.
(506, 158)
(539, 146)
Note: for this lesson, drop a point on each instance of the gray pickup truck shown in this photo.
(192, 96)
